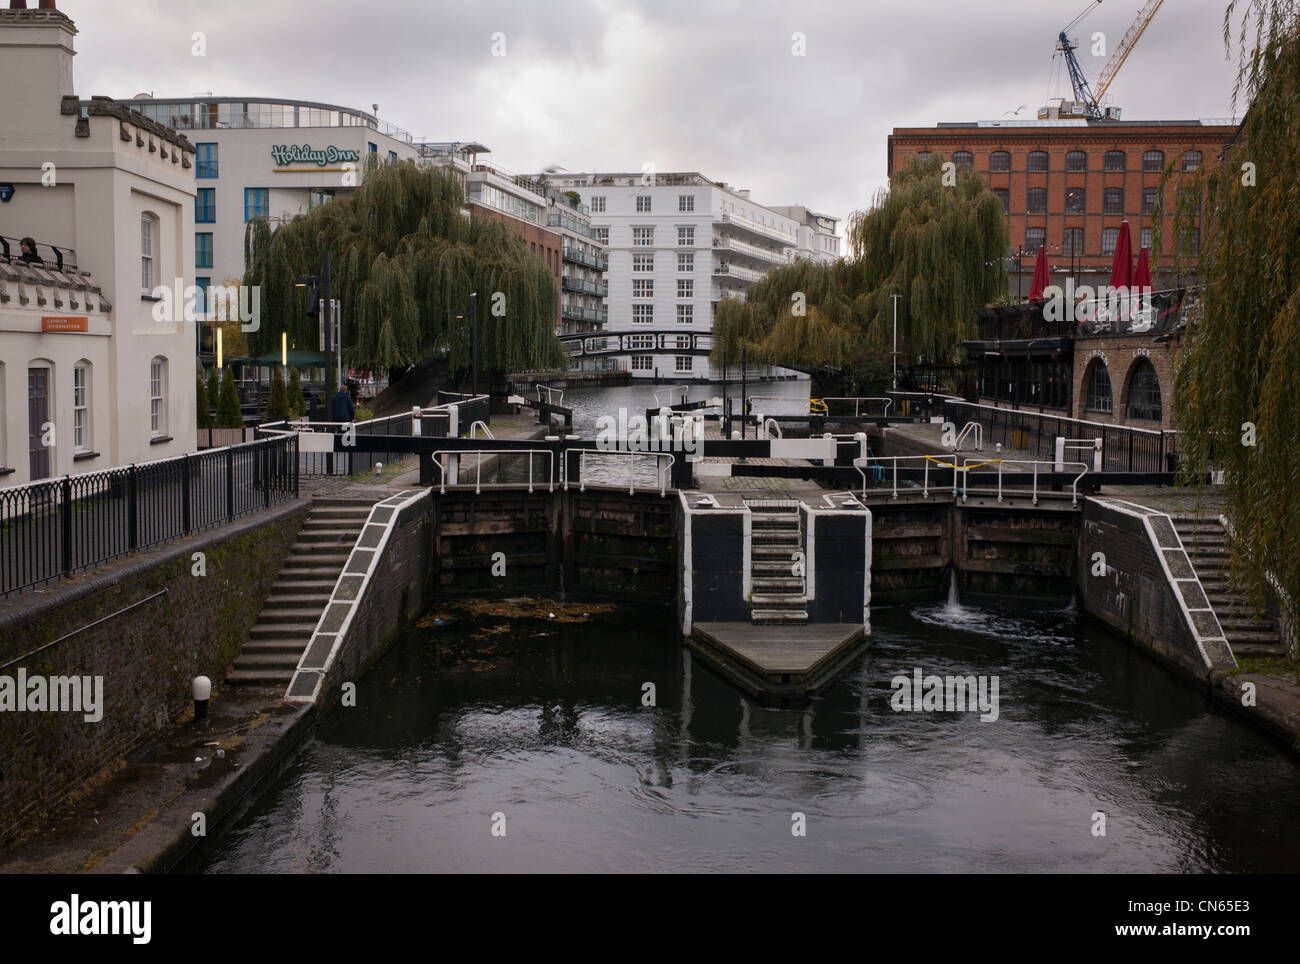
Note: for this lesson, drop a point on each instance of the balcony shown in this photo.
(574, 256)
(598, 288)
(570, 224)
(762, 230)
(737, 272)
(574, 313)
(748, 250)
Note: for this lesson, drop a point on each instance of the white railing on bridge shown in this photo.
(961, 472)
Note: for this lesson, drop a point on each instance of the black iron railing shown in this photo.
(57, 527)
(44, 255)
(1124, 448)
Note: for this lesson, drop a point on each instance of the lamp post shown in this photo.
(473, 323)
(894, 353)
(320, 292)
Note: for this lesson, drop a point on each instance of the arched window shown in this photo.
(148, 253)
(157, 397)
(1099, 398)
(1076, 161)
(1144, 392)
(1075, 200)
(1112, 200)
(1037, 161)
(963, 159)
(1113, 161)
(1000, 161)
(922, 155)
(1191, 161)
(81, 407)
(1153, 160)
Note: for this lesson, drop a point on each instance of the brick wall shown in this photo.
(147, 655)
(1120, 354)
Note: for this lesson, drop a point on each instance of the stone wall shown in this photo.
(148, 625)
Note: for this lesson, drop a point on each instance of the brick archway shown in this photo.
(1136, 366)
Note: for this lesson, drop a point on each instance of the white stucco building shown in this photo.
(817, 237)
(677, 245)
(89, 378)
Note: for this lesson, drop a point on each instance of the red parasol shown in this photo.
(1040, 276)
(1121, 270)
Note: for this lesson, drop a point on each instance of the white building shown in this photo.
(817, 237)
(678, 244)
(88, 377)
(274, 159)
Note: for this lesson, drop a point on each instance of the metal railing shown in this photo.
(960, 473)
(59, 526)
(1125, 448)
(970, 428)
(312, 461)
(53, 258)
(858, 405)
(479, 484)
(663, 472)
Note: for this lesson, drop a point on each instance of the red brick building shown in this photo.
(1068, 184)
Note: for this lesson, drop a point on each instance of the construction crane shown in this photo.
(1083, 94)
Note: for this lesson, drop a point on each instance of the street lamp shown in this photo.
(473, 321)
(894, 353)
(320, 291)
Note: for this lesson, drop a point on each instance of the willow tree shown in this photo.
(937, 237)
(404, 261)
(1237, 396)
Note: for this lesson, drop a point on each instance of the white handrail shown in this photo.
(962, 472)
(479, 423)
(966, 430)
(857, 400)
(478, 467)
(770, 423)
(663, 472)
(1074, 486)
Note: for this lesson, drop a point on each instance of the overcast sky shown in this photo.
(696, 85)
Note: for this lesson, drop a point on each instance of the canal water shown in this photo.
(542, 724)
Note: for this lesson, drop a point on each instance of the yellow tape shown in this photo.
(969, 465)
(817, 407)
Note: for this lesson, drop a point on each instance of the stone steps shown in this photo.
(300, 594)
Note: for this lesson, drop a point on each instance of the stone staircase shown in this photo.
(1248, 633)
(776, 534)
(300, 594)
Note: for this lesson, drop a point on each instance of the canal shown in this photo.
(543, 721)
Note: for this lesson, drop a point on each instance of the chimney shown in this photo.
(36, 54)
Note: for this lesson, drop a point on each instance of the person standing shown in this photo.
(342, 408)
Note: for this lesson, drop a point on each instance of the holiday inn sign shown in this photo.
(286, 154)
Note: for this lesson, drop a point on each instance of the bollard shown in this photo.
(202, 689)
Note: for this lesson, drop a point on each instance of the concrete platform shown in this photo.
(775, 661)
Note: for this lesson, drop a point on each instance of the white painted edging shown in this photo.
(1119, 505)
(397, 503)
(810, 570)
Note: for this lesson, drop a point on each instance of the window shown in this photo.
(203, 249)
(1149, 197)
(392, 157)
(1036, 200)
(205, 205)
(1190, 199)
(641, 363)
(601, 234)
(686, 202)
(683, 342)
(1109, 239)
(598, 205)
(1073, 243)
(684, 363)
(685, 237)
(643, 314)
(922, 155)
(157, 390)
(643, 237)
(1144, 392)
(685, 287)
(205, 160)
(640, 341)
(1191, 161)
(685, 314)
(1153, 160)
(686, 262)
(1076, 161)
(257, 203)
(963, 159)
(1113, 161)
(1035, 238)
(1099, 396)
(643, 288)
(148, 239)
(643, 262)
(1146, 238)
(1112, 200)
(374, 148)
(643, 202)
(1036, 161)
(319, 196)
(1003, 195)
(201, 295)
(1000, 161)
(1074, 200)
(81, 406)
